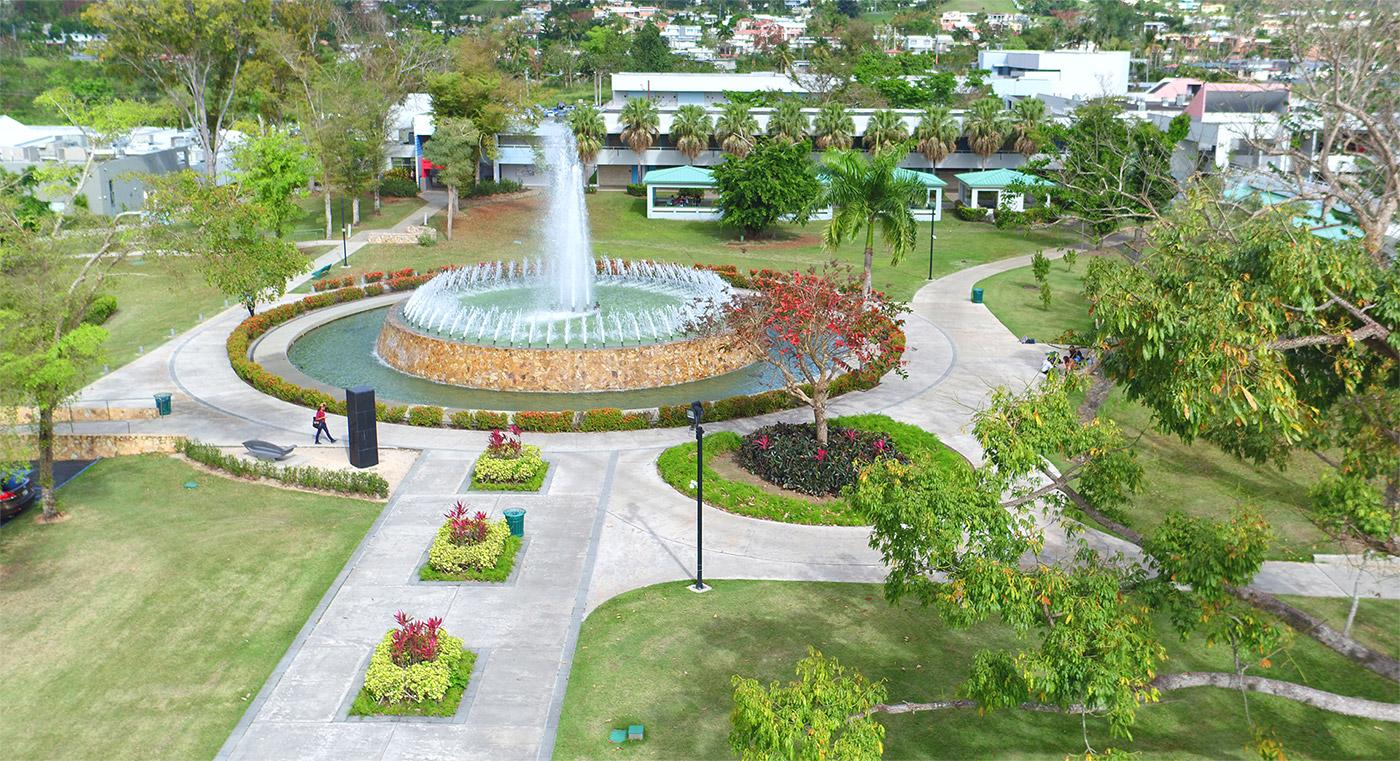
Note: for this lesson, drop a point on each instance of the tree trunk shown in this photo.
(355, 211)
(451, 208)
(378, 207)
(46, 462)
(869, 259)
(330, 223)
(819, 394)
(1355, 595)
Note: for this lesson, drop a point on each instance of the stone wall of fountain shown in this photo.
(615, 368)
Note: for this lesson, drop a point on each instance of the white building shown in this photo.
(679, 89)
(1063, 73)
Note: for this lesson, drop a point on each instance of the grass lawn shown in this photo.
(1377, 622)
(311, 225)
(1194, 478)
(663, 656)
(677, 468)
(510, 229)
(151, 617)
(152, 298)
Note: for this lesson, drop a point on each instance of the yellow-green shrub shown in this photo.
(389, 682)
(513, 471)
(446, 557)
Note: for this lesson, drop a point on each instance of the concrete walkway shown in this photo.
(604, 524)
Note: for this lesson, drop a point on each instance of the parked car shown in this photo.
(18, 492)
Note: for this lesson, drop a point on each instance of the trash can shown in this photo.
(977, 295)
(515, 519)
(163, 403)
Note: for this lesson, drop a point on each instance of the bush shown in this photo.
(374, 277)
(447, 557)
(1005, 217)
(425, 416)
(605, 419)
(427, 240)
(374, 289)
(970, 213)
(100, 310)
(479, 420)
(516, 470)
(492, 187)
(636, 189)
(545, 422)
(788, 455)
(343, 481)
(388, 682)
(386, 414)
(398, 187)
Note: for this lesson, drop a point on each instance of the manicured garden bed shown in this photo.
(759, 629)
(505, 563)
(366, 705)
(147, 621)
(752, 498)
(508, 464)
(416, 670)
(469, 547)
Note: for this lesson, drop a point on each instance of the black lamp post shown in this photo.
(344, 244)
(696, 413)
(932, 212)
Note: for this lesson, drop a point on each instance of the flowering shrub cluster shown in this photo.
(414, 641)
(519, 469)
(545, 422)
(405, 272)
(504, 445)
(332, 283)
(789, 456)
(413, 663)
(466, 529)
(374, 277)
(448, 556)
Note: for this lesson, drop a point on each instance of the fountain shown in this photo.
(564, 321)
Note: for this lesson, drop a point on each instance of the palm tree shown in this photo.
(690, 131)
(788, 124)
(589, 134)
(868, 194)
(1028, 124)
(986, 126)
(640, 125)
(735, 129)
(885, 131)
(833, 127)
(937, 134)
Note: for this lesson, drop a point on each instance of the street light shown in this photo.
(695, 415)
(344, 244)
(932, 212)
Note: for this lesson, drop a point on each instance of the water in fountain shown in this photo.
(566, 228)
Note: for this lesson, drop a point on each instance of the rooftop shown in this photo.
(999, 178)
(758, 81)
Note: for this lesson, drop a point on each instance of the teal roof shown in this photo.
(1000, 178)
(680, 175)
(929, 180)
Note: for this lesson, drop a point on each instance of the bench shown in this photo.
(320, 273)
(266, 450)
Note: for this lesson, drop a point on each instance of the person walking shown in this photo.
(318, 421)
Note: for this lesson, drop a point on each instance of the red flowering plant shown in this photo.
(814, 327)
(414, 641)
(505, 445)
(466, 529)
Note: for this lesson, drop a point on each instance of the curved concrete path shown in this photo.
(605, 523)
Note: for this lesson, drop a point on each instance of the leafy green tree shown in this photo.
(735, 129)
(936, 134)
(886, 132)
(648, 51)
(773, 181)
(192, 50)
(1040, 268)
(986, 126)
(823, 716)
(640, 125)
(788, 124)
(867, 195)
(1028, 125)
(274, 167)
(454, 149)
(833, 127)
(690, 130)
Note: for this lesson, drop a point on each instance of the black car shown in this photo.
(17, 492)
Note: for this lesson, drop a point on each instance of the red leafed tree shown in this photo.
(815, 327)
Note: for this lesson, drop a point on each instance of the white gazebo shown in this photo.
(681, 192)
(933, 194)
(991, 189)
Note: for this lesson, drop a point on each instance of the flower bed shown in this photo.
(416, 670)
(495, 574)
(668, 416)
(789, 456)
(321, 479)
(467, 542)
(508, 464)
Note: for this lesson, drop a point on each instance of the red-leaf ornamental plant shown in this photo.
(814, 327)
(466, 529)
(504, 445)
(414, 641)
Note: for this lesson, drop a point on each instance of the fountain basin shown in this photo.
(560, 369)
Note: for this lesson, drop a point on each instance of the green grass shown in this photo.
(1198, 478)
(1377, 622)
(311, 224)
(152, 299)
(497, 573)
(677, 468)
(365, 705)
(152, 616)
(510, 229)
(663, 656)
(534, 484)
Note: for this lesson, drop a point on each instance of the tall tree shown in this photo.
(454, 148)
(690, 131)
(193, 50)
(648, 51)
(773, 181)
(936, 134)
(867, 196)
(788, 124)
(640, 125)
(986, 126)
(833, 127)
(1028, 125)
(274, 168)
(590, 132)
(735, 129)
(885, 132)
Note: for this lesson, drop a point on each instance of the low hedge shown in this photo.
(426, 416)
(523, 473)
(604, 419)
(497, 573)
(446, 557)
(100, 310)
(342, 481)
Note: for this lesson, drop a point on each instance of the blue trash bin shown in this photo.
(977, 295)
(163, 403)
(515, 519)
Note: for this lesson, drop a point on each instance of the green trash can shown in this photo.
(163, 404)
(515, 519)
(977, 295)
